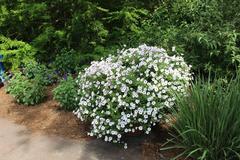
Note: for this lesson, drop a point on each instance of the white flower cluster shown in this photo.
(131, 91)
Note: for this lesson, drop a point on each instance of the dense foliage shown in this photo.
(33, 69)
(208, 123)
(66, 62)
(15, 53)
(83, 25)
(130, 92)
(66, 93)
(207, 32)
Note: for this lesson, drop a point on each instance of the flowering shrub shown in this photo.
(131, 91)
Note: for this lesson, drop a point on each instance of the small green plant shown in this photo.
(208, 123)
(66, 94)
(26, 91)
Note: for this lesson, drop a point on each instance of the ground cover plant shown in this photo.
(207, 123)
(130, 92)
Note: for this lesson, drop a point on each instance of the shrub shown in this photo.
(16, 53)
(208, 123)
(71, 61)
(50, 42)
(65, 93)
(34, 69)
(66, 62)
(25, 91)
(130, 91)
(207, 31)
(82, 25)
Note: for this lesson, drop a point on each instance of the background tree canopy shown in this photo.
(205, 31)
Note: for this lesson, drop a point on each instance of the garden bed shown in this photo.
(47, 118)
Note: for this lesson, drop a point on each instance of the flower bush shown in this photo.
(130, 92)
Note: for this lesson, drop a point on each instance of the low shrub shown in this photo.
(24, 90)
(208, 123)
(65, 93)
(34, 69)
(130, 92)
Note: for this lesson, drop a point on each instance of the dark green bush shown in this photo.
(67, 62)
(71, 61)
(81, 25)
(34, 69)
(206, 32)
(208, 123)
(23, 19)
(49, 43)
(25, 91)
(65, 93)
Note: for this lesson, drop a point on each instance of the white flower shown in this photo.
(119, 136)
(137, 101)
(173, 48)
(153, 103)
(106, 138)
(110, 139)
(125, 146)
(124, 88)
(102, 128)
